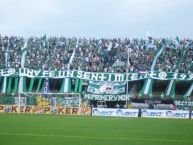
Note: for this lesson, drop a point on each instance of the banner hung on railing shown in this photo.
(104, 97)
(33, 109)
(98, 87)
(94, 76)
(40, 100)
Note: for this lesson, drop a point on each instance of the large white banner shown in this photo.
(165, 114)
(115, 112)
(94, 76)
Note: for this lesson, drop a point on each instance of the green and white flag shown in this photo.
(30, 89)
(189, 91)
(40, 82)
(97, 87)
(1, 83)
(147, 88)
(22, 85)
(170, 91)
(78, 85)
(8, 89)
(66, 85)
(16, 83)
(162, 95)
(4, 84)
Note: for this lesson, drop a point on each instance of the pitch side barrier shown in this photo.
(192, 115)
(32, 109)
(44, 103)
(144, 113)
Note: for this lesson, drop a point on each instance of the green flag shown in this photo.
(189, 91)
(62, 86)
(66, 85)
(15, 90)
(80, 86)
(76, 85)
(1, 84)
(31, 85)
(39, 85)
(147, 89)
(9, 85)
(24, 84)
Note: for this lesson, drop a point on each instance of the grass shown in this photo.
(22, 129)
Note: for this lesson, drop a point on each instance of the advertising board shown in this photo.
(115, 112)
(165, 114)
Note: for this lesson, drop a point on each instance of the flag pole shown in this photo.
(19, 103)
(127, 71)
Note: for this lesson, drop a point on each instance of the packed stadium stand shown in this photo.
(103, 55)
(97, 54)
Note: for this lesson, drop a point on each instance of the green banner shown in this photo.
(97, 87)
(94, 76)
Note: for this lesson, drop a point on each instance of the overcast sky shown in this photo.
(97, 18)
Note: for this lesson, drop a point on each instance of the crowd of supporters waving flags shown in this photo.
(115, 55)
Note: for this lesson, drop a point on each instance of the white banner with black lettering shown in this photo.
(115, 112)
(165, 114)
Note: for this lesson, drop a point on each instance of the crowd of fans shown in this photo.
(51, 53)
(97, 55)
(10, 51)
(177, 56)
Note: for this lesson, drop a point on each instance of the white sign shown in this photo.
(22, 100)
(165, 114)
(115, 112)
(192, 115)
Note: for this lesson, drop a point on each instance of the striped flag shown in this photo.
(1, 84)
(162, 95)
(39, 85)
(4, 84)
(22, 85)
(66, 85)
(78, 85)
(31, 85)
(189, 91)
(147, 88)
(170, 91)
(9, 85)
(15, 89)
